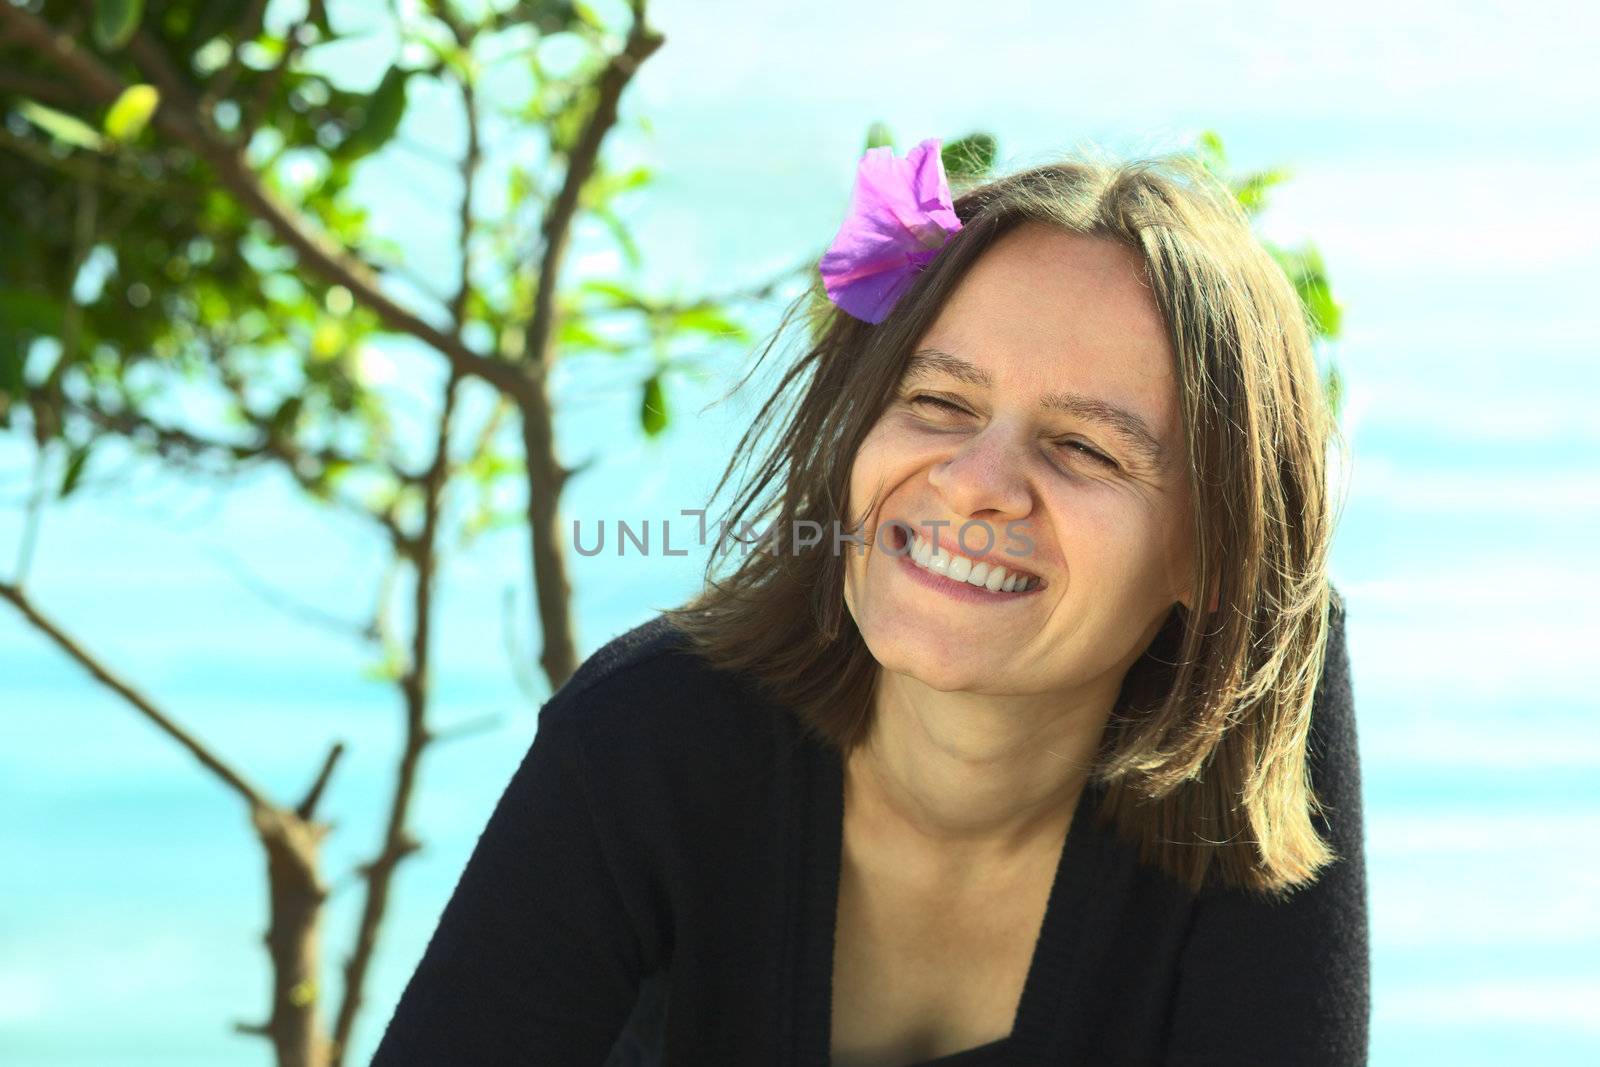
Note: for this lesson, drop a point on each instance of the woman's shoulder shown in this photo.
(647, 691)
(651, 650)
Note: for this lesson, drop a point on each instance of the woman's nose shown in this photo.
(987, 473)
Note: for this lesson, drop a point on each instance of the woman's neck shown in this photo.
(973, 776)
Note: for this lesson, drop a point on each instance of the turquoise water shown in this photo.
(1448, 170)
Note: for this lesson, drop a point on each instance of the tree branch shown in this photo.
(641, 43)
(85, 659)
(307, 808)
(469, 173)
(545, 475)
(179, 118)
(398, 842)
(246, 32)
(180, 447)
(307, 613)
(49, 90)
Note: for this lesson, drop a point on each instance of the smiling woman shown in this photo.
(953, 795)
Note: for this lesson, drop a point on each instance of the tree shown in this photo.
(180, 178)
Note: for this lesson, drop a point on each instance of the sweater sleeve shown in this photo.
(1286, 982)
(534, 959)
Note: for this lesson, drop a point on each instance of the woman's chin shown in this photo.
(948, 662)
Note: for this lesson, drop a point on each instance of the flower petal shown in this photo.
(900, 214)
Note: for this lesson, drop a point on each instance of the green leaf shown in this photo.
(385, 108)
(604, 186)
(573, 334)
(1326, 314)
(76, 460)
(488, 467)
(115, 21)
(337, 471)
(30, 312)
(212, 18)
(653, 408)
(878, 136)
(62, 126)
(617, 296)
(328, 340)
(589, 16)
(969, 157)
(1251, 190)
(12, 359)
(388, 669)
(132, 112)
(281, 423)
(712, 321)
(624, 238)
(1309, 276)
(1208, 146)
(551, 16)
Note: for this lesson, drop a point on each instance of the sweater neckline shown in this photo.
(1072, 937)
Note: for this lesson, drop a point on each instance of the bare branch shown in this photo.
(398, 842)
(552, 590)
(469, 173)
(42, 400)
(177, 445)
(641, 43)
(306, 613)
(102, 674)
(33, 516)
(307, 807)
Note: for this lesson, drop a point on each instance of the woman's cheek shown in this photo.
(888, 456)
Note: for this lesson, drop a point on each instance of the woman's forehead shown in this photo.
(1042, 308)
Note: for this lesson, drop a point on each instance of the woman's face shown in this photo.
(1041, 400)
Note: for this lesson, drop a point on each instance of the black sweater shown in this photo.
(659, 881)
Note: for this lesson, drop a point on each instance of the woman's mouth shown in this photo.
(935, 565)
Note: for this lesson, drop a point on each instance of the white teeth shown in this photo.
(984, 575)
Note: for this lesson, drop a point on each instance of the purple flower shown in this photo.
(900, 216)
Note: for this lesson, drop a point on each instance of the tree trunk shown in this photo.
(552, 590)
(293, 937)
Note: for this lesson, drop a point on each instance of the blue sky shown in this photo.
(1447, 164)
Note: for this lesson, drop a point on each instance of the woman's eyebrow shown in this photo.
(1127, 425)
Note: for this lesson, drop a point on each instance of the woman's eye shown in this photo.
(1099, 457)
(939, 402)
(956, 409)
